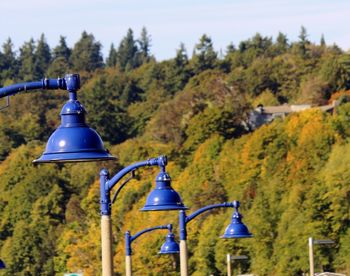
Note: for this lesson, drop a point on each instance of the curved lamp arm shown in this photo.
(129, 239)
(46, 84)
(183, 219)
(107, 184)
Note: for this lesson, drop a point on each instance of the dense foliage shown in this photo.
(291, 176)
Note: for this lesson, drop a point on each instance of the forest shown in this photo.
(291, 176)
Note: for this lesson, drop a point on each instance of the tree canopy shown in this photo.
(291, 176)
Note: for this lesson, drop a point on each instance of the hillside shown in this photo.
(291, 176)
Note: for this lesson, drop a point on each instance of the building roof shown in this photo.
(291, 108)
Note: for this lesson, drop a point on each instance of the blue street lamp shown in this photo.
(170, 246)
(236, 229)
(162, 198)
(2, 264)
(73, 140)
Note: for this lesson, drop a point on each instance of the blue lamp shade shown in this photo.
(236, 228)
(170, 246)
(163, 197)
(73, 140)
(2, 265)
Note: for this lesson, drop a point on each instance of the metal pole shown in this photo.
(183, 220)
(106, 238)
(311, 256)
(183, 258)
(229, 272)
(183, 244)
(128, 266)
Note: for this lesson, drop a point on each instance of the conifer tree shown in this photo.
(112, 57)
(230, 48)
(61, 55)
(42, 57)
(322, 41)
(62, 50)
(303, 41)
(144, 45)
(281, 43)
(9, 66)
(86, 54)
(27, 61)
(204, 55)
(127, 52)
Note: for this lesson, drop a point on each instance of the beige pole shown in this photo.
(229, 273)
(106, 238)
(311, 256)
(183, 258)
(128, 266)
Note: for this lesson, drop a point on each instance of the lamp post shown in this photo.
(169, 247)
(162, 198)
(73, 140)
(230, 259)
(311, 252)
(236, 229)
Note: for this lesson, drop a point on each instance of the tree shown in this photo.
(112, 57)
(335, 70)
(111, 118)
(230, 48)
(127, 52)
(177, 71)
(322, 41)
(303, 41)
(204, 57)
(281, 44)
(314, 91)
(86, 54)
(42, 58)
(144, 45)
(60, 59)
(62, 50)
(27, 61)
(9, 68)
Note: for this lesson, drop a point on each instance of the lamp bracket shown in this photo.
(122, 185)
(7, 103)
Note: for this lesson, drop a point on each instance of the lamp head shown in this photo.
(170, 246)
(2, 264)
(73, 140)
(163, 197)
(236, 229)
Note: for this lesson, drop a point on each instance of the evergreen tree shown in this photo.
(230, 48)
(181, 58)
(42, 58)
(204, 55)
(127, 52)
(112, 57)
(27, 61)
(9, 66)
(61, 56)
(178, 73)
(281, 43)
(86, 54)
(322, 41)
(303, 41)
(62, 50)
(144, 45)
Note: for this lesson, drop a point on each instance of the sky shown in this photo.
(173, 22)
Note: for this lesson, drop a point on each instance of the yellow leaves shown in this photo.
(84, 253)
(298, 120)
(312, 126)
(208, 150)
